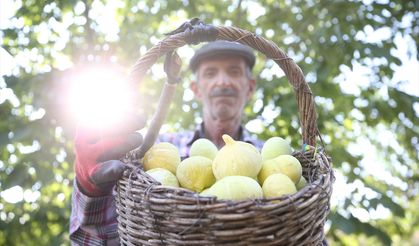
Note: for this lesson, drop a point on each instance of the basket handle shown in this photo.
(182, 36)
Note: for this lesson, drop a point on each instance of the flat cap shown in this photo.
(222, 47)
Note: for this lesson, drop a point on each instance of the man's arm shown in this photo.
(93, 220)
(97, 167)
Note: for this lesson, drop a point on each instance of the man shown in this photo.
(223, 85)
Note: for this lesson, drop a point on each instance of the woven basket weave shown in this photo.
(150, 214)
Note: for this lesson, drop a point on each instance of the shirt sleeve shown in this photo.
(93, 220)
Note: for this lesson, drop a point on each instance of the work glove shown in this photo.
(98, 151)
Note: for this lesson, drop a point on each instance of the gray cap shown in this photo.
(222, 47)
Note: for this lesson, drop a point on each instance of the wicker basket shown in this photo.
(150, 214)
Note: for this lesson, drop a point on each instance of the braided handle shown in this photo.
(305, 100)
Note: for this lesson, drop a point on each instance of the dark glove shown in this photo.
(97, 155)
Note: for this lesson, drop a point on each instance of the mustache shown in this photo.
(223, 92)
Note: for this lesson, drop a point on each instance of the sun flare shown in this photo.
(99, 97)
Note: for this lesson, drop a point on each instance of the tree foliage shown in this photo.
(350, 52)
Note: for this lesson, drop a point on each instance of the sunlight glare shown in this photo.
(99, 97)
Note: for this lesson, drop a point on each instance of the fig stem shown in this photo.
(227, 139)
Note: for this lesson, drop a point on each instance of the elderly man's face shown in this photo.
(223, 86)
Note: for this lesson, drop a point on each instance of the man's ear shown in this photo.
(252, 88)
(195, 88)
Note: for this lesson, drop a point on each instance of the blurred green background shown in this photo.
(360, 59)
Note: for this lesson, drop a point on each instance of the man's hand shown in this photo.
(98, 152)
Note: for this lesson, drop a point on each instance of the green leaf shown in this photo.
(353, 225)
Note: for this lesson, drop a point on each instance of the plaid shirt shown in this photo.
(93, 220)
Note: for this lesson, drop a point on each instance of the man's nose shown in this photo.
(223, 79)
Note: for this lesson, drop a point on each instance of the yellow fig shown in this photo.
(164, 155)
(206, 192)
(301, 183)
(285, 164)
(195, 173)
(165, 177)
(277, 185)
(275, 146)
(203, 147)
(236, 158)
(235, 188)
